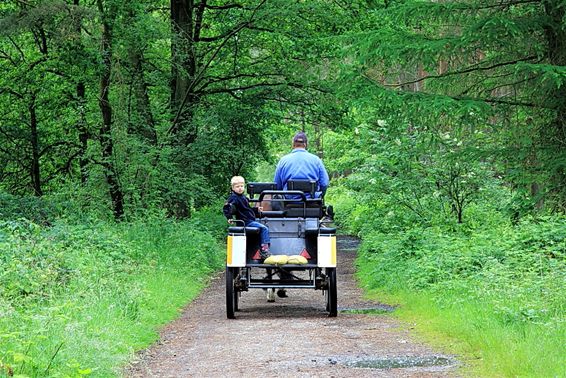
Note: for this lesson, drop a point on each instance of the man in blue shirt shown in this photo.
(301, 165)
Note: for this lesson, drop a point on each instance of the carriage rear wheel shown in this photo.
(331, 293)
(232, 294)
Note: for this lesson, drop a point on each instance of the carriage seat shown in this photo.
(240, 230)
(313, 208)
(275, 208)
(254, 188)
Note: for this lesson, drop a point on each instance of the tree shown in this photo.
(135, 104)
(33, 148)
(108, 14)
(261, 54)
(476, 65)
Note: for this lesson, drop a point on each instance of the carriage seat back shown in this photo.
(312, 208)
(306, 186)
(254, 188)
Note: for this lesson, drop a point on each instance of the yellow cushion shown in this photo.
(276, 260)
(297, 259)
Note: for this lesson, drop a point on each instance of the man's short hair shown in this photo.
(236, 180)
(300, 138)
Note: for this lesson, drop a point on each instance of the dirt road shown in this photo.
(292, 337)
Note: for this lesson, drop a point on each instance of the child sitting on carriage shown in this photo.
(238, 205)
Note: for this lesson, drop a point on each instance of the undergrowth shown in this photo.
(80, 299)
(488, 290)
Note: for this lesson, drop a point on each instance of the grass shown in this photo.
(94, 295)
(487, 344)
(493, 294)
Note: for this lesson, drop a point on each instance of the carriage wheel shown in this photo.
(231, 293)
(237, 293)
(331, 293)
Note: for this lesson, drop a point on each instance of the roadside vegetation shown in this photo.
(80, 298)
(488, 290)
(441, 124)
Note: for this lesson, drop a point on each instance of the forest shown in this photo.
(442, 125)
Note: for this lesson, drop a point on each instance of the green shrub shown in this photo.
(507, 280)
(80, 299)
(35, 209)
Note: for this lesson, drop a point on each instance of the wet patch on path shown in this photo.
(402, 362)
(375, 310)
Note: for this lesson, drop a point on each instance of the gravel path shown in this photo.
(292, 337)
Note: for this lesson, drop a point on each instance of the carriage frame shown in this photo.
(298, 225)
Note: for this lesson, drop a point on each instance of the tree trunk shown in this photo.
(183, 68)
(106, 141)
(35, 168)
(145, 128)
(181, 32)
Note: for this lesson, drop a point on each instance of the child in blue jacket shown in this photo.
(239, 205)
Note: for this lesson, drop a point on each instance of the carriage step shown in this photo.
(294, 266)
(280, 286)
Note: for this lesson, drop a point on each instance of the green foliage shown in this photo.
(507, 281)
(441, 124)
(435, 176)
(468, 67)
(182, 115)
(490, 281)
(230, 144)
(37, 210)
(97, 288)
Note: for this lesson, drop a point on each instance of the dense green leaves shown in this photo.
(441, 125)
(101, 289)
(468, 67)
(139, 103)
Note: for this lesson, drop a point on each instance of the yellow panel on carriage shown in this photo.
(326, 251)
(236, 251)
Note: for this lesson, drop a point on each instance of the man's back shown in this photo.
(301, 165)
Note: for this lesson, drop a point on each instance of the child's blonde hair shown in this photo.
(236, 180)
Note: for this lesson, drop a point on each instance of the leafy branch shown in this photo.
(474, 68)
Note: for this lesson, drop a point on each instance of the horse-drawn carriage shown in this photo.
(298, 227)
